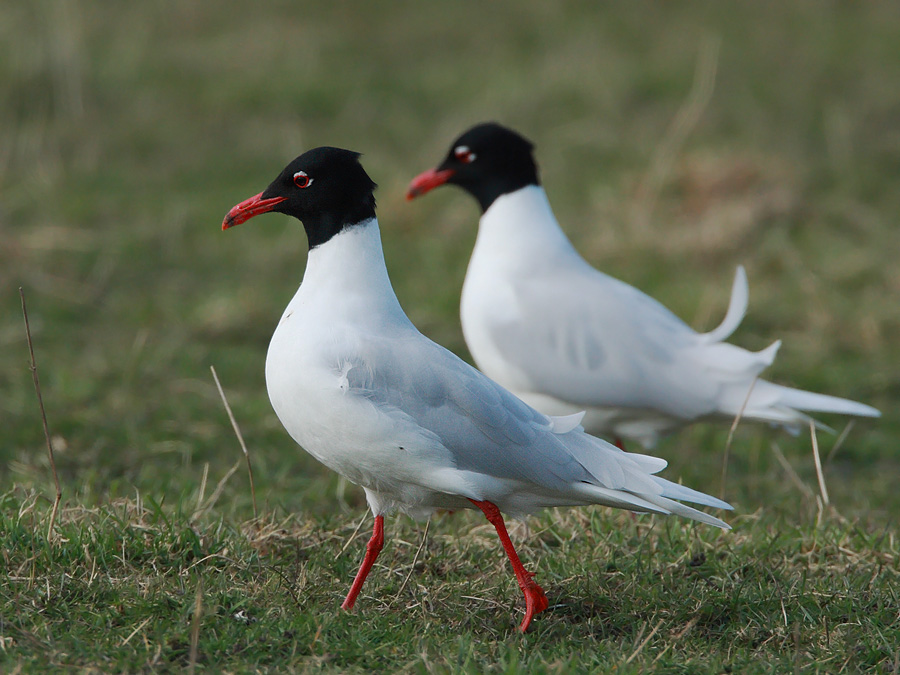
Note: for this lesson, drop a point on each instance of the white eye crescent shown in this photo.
(301, 180)
(464, 154)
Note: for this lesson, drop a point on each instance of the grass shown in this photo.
(126, 133)
(118, 592)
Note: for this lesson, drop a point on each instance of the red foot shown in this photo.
(535, 600)
(373, 548)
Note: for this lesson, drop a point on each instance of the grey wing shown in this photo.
(486, 428)
(490, 432)
(608, 344)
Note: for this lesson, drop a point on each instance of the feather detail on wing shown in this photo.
(563, 424)
(489, 432)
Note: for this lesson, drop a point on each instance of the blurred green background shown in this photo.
(127, 131)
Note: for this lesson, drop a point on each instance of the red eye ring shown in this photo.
(301, 180)
(464, 155)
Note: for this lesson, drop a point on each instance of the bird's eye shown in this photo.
(463, 154)
(301, 180)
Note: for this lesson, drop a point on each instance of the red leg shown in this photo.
(535, 600)
(373, 548)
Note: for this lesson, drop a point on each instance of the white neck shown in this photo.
(347, 276)
(520, 226)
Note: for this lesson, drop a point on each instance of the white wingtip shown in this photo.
(686, 494)
(737, 308)
(685, 511)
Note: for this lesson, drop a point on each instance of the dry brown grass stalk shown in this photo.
(819, 474)
(214, 497)
(37, 389)
(644, 642)
(795, 479)
(240, 437)
(355, 532)
(734, 425)
(195, 626)
(840, 441)
(412, 567)
(684, 123)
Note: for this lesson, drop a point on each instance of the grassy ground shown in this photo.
(127, 132)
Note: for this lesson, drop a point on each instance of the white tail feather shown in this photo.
(787, 407)
(737, 308)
